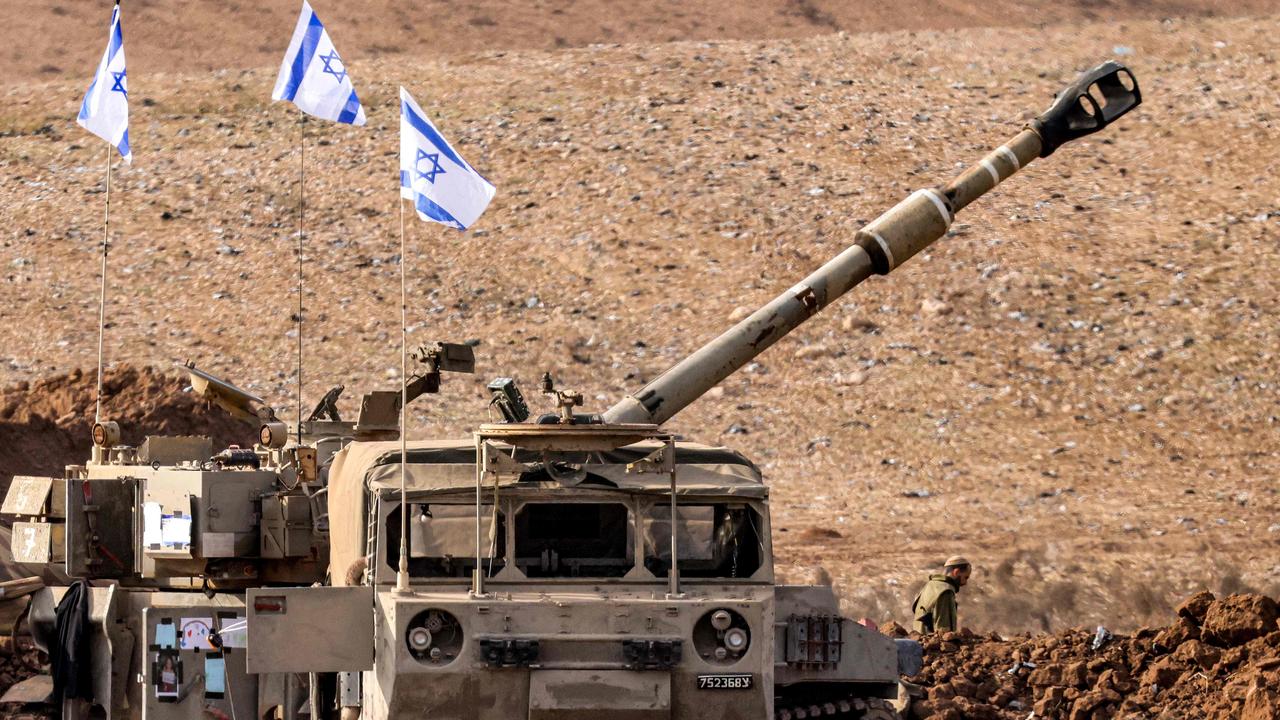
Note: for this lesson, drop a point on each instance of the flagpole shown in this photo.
(402, 573)
(302, 176)
(102, 293)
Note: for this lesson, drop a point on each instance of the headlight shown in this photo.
(273, 435)
(419, 638)
(721, 620)
(735, 639)
(434, 637)
(721, 636)
(106, 434)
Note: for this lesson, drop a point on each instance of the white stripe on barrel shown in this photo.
(1010, 156)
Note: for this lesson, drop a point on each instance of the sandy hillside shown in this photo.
(1077, 389)
(47, 40)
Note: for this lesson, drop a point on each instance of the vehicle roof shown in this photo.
(444, 465)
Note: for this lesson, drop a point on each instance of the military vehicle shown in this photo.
(570, 566)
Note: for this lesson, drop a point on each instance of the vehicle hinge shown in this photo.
(814, 641)
(652, 654)
(506, 652)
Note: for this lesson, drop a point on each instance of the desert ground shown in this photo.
(1076, 389)
(61, 39)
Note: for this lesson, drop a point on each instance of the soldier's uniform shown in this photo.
(935, 607)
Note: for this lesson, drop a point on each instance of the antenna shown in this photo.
(102, 293)
(302, 205)
(402, 572)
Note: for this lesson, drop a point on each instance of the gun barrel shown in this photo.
(884, 244)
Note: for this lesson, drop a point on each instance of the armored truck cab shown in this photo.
(564, 603)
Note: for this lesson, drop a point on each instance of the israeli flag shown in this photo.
(105, 110)
(442, 186)
(313, 77)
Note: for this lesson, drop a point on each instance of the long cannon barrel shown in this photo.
(1096, 99)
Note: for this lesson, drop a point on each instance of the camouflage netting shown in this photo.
(1220, 660)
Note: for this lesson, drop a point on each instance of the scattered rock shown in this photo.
(1194, 607)
(850, 324)
(857, 377)
(1237, 619)
(1262, 701)
(1176, 634)
(1198, 653)
(934, 308)
(1129, 676)
(810, 352)
(819, 534)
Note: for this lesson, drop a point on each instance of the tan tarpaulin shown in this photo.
(444, 465)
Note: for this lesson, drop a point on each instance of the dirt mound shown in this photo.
(17, 663)
(45, 425)
(1239, 619)
(1219, 659)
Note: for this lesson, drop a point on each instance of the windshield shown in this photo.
(574, 540)
(714, 541)
(442, 539)
(629, 537)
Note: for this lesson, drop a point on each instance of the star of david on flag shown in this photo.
(433, 169)
(443, 187)
(313, 76)
(105, 110)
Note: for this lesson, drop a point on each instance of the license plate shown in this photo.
(724, 682)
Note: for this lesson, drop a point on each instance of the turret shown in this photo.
(1095, 100)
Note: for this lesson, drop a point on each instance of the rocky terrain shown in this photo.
(62, 39)
(1076, 389)
(18, 662)
(1219, 660)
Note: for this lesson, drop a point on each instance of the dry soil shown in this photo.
(1076, 389)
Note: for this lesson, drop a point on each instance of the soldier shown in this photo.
(935, 607)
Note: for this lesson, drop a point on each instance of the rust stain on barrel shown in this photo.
(809, 299)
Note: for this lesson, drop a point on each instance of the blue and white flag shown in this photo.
(313, 77)
(105, 110)
(442, 186)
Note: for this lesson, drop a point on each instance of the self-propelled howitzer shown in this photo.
(576, 567)
(1093, 101)
(586, 566)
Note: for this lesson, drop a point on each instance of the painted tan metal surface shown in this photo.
(319, 629)
(581, 631)
(586, 695)
(28, 495)
(32, 542)
(533, 436)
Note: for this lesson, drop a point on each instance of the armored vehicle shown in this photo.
(569, 566)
